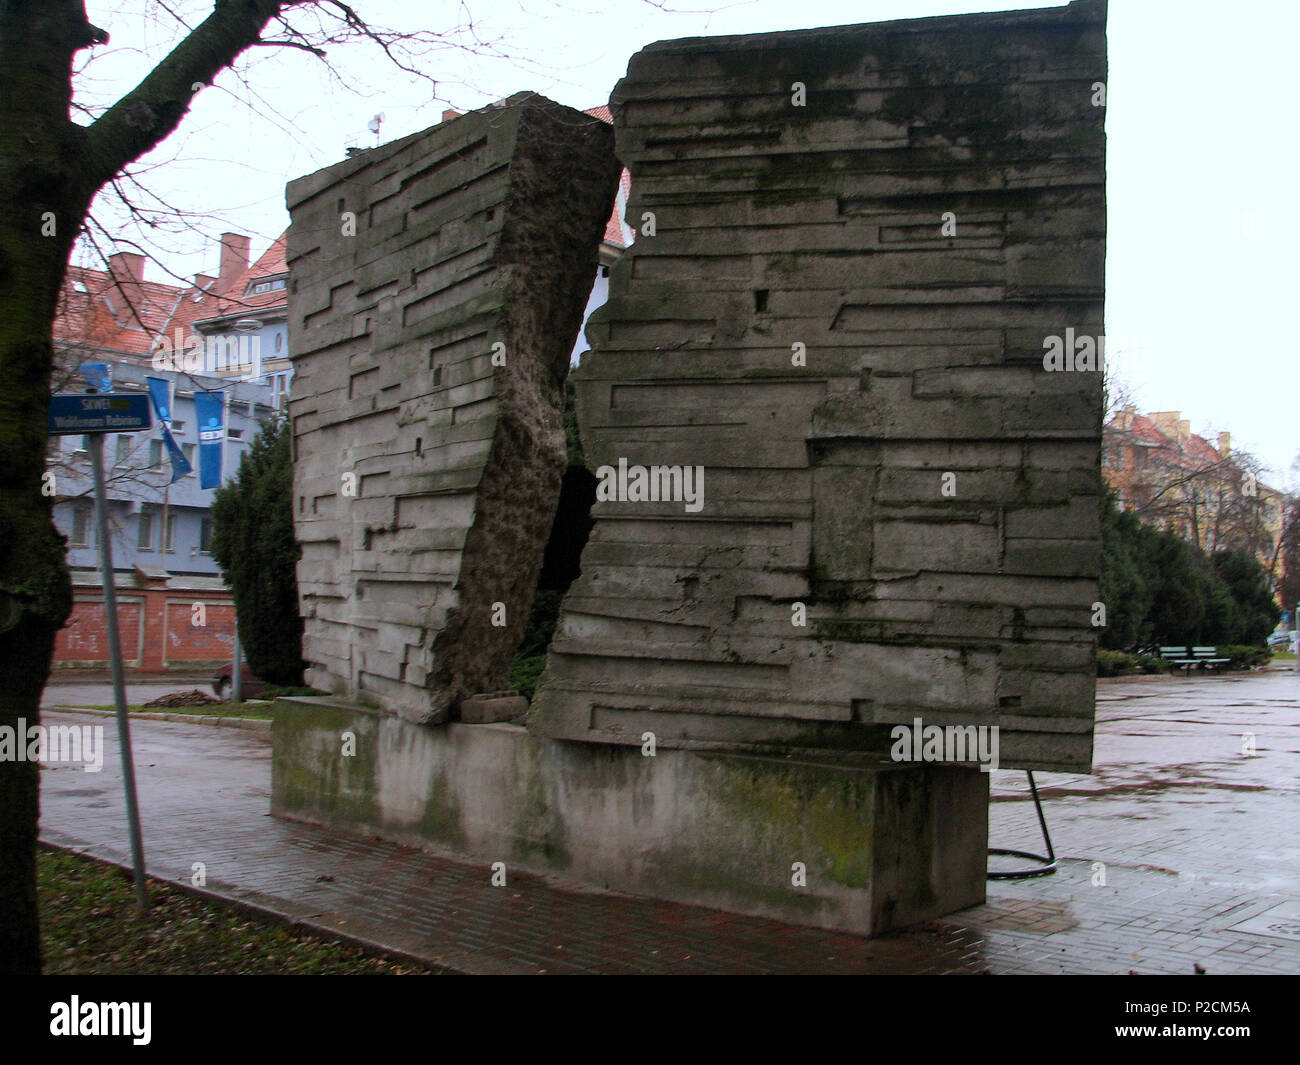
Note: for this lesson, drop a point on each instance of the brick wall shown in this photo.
(159, 629)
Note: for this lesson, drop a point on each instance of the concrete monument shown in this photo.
(844, 412)
(436, 287)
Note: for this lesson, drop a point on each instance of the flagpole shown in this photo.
(99, 376)
(167, 493)
(95, 442)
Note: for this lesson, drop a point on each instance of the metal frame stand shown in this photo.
(1047, 864)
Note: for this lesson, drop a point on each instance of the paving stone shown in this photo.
(205, 794)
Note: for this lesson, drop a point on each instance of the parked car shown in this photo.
(1275, 638)
(222, 683)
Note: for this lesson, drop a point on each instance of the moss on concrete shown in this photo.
(442, 821)
(311, 773)
(819, 816)
(538, 832)
(717, 829)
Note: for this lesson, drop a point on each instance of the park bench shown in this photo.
(1192, 656)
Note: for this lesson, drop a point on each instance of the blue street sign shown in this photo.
(113, 412)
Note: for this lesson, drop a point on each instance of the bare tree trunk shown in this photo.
(45, 203)
(1289, 517)
(50, 170)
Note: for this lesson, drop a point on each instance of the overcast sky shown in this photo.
(1201, 268)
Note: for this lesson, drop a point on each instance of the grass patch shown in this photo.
(530, 659)
(276, 691)
(90, 926)
(1122, 664)
(525, 672)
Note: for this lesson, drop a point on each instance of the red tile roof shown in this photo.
(127, 315)
(1143, 429)
(614, 227)
(1200, 448)
(98, 309)
(234, 300)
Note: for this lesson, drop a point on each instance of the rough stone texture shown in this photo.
(778, 225)
(492, 707)
(881, 846)
(477, 236)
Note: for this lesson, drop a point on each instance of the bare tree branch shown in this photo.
(154, 108)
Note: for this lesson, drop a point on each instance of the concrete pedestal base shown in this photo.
(860, 849)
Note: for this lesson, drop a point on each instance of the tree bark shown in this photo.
(47, 204)
(50, 170)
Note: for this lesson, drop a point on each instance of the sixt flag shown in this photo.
(210, 410)
(160, 393)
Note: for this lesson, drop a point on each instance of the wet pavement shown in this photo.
(98, 690)
(1182, 850)
(1197, 839)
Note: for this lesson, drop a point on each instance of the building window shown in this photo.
(145, 540)
(171, 531)
(80, 526)
(178, 427)
(279, 390)
(257, 288)
(188, 451)
(235, 434)
(279, 340)
(123, 449)
(205, 535)
(155, 454)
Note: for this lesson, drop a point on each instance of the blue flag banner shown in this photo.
(97, 375)
(180, 464)
(160, 393)
(210, 409)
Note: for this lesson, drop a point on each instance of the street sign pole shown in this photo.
(96, 442)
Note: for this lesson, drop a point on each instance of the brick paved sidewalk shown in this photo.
(1200, 845)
